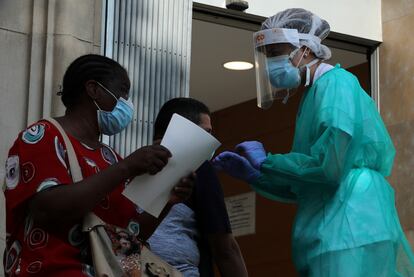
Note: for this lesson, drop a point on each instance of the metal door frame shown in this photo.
(241, 20)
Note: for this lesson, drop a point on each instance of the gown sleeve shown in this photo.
(345, 132)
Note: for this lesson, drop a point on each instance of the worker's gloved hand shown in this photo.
(253, 151)
(236, 166)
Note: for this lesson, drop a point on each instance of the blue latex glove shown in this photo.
(236, 166)
(253, 151)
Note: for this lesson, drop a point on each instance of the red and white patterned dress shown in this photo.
(38, 161)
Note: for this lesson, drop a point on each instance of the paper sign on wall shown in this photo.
(190, 146)
(242, 213)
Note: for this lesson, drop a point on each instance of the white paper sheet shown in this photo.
(190, 146)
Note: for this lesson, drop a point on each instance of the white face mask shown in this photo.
(113, 122)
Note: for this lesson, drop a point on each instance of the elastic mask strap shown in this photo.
(293, 54)
(308, 65)
(286, 98)
(308, 71)
(107, 90)
(96, 104)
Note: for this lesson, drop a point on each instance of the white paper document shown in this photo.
(190, 146)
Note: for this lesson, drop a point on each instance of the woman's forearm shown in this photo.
(68, 203)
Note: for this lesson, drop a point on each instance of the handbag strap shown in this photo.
(74, 166)
(90, 220)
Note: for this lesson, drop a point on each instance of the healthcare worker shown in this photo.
(346, 223)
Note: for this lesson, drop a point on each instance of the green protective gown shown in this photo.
(346, 222)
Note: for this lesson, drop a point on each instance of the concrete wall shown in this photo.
(38, 40)
(397, 101)
(351, 17)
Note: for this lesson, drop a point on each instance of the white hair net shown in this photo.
(306, 23)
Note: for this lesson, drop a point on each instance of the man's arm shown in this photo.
(227, 255)
(215, 224)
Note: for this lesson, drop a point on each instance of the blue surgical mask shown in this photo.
(113, 122)
(282, 73)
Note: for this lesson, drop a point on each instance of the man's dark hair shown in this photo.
(186, 107)
(88, 67)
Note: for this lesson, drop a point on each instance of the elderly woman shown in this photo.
(45, 207)
(346, 222)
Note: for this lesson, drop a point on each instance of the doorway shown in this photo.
(219, 36)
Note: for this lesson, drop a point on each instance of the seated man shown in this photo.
(197, 231)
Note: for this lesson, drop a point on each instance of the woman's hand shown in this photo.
(149, 159)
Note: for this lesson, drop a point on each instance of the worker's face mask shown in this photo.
(282, 73)
(113, 122)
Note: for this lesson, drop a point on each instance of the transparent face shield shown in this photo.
(276, 76)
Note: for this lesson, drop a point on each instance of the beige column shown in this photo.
(38, 40)
(397, 101)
